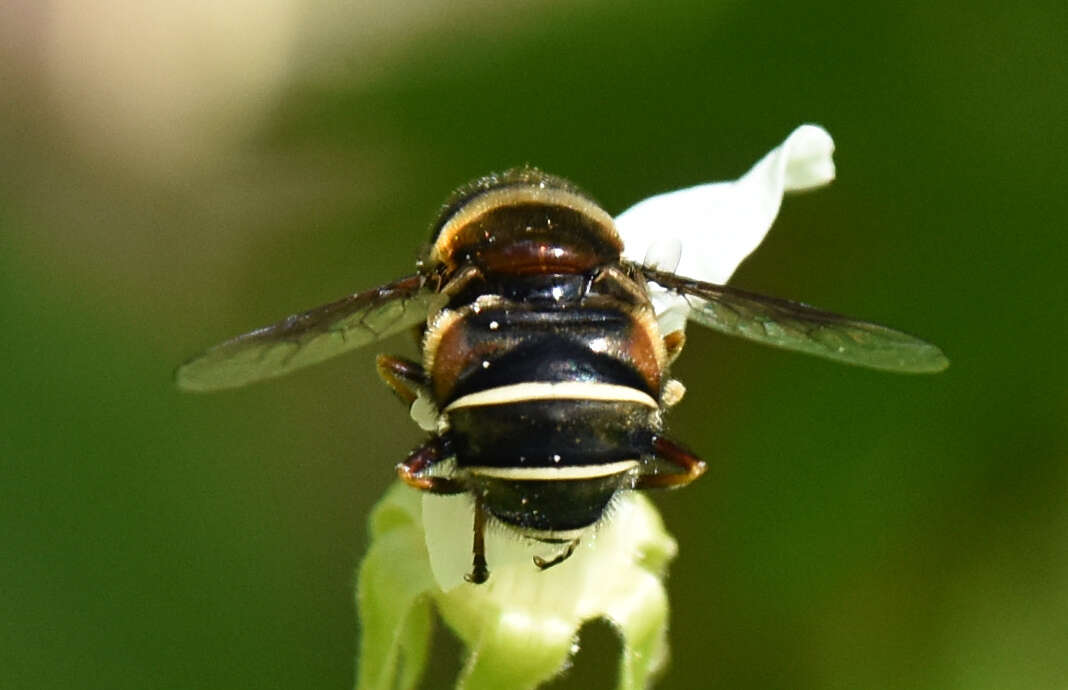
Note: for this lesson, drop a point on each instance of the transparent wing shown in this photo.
(799, 327)
(308, 338)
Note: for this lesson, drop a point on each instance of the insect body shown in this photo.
(543, 364)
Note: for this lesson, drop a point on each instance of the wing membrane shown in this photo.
(799, 327)
(308, 338)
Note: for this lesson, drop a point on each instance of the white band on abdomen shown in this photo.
(563, 390)
(564, 472)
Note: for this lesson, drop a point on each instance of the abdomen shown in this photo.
(549, 410)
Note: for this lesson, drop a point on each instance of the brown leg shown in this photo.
(479, 572)
(404, 376)
(692, 466)
(558, 558)
(420, 460)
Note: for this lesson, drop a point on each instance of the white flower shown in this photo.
(705, 232)
(520, 626)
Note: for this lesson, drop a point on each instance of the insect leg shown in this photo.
(692, 466)
(404, 376)
(544, 564)
(479, 572)
(421, 459)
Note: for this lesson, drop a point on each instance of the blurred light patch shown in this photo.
(165, 86)
(163, 83)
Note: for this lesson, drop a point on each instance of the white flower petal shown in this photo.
(394, 579)
(717, 225)
(664, 254)
(616, 573)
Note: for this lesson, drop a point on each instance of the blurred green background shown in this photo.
(175, 173)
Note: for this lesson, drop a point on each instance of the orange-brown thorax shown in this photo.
(524, 230)
(543, 261)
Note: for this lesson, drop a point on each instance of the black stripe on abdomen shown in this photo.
(550, 433)
(549, 346)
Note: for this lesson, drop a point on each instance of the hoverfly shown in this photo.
(542, 360)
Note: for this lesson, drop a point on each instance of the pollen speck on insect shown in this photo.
(599, 344)
(485, 364)
(494, 325)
